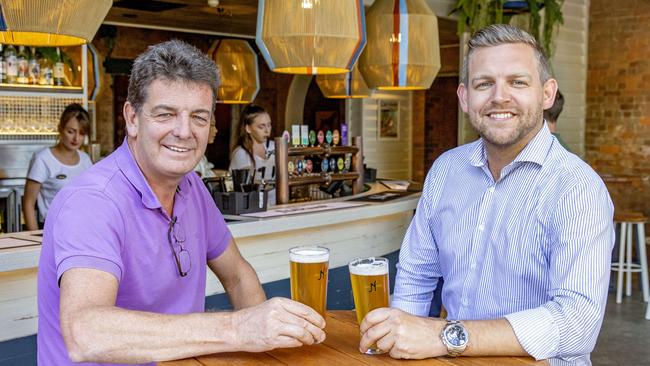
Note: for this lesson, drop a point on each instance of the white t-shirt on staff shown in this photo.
(47, 170)
(241, 160)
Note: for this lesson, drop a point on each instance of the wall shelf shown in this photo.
(284, 181)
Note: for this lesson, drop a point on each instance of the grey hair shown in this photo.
(499, 34)
(173, 60)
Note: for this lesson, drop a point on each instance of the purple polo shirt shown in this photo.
(109, 219)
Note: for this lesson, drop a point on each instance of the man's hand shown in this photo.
(277, 323)
(401, 334)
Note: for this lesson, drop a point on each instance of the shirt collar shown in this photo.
(129, 167)
(534, 152)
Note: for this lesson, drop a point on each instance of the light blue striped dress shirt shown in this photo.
(533, 247)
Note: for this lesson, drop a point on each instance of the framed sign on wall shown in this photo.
(388, 120)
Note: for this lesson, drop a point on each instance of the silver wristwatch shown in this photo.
(455, 337)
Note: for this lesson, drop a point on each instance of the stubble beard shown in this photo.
(524, 125)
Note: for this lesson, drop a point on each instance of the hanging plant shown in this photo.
(476, 14)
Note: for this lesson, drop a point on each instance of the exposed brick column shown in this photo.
(617, 129)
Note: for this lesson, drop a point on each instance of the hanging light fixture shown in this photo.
(240, 80)
(310, 36)
(51, 22)
(403, 51)
(348, 85)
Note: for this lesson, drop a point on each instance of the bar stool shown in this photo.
(628, 221)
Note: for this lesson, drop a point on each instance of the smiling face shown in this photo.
(260, 129)
(168, 136)
(504, 97)
(71, 136)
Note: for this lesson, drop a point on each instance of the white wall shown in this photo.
(570, 67)
(391, 158)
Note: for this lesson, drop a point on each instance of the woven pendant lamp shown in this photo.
(348, 85)
(310, 36)
(51, 22)
(240, 80)
(403, 51)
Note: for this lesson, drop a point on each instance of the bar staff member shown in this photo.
(255, 150)
(121, 277)
(53, 167)
(519, 228)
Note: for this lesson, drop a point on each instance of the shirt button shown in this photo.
(465, 302)
(481, 227)
(491, 189)
(472, 265)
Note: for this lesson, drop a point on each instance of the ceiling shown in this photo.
(232, 17)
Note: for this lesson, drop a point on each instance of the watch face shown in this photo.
(456, 335)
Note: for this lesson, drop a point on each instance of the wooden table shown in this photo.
(341, 348)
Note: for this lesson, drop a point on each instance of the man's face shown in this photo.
(169, 134)
(504, 97)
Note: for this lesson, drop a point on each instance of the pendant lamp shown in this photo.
(348, 85)
(51, 22)
(310, 36)
(403, 51)
(240, 80)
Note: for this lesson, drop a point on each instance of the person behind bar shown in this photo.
(254, 149)
(53, 167)
(122, 272)
(519, 228)
(552, 114)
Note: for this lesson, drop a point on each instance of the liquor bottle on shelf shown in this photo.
(12, 64)
(3, 67)
(34, 67)
(23, 66)
(45, 77)
(58, 68)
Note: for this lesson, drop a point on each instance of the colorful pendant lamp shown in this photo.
(311, 36)
(403, 51)
(51, 22)
(348, 85)
(240, 79)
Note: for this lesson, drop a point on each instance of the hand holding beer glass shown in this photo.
(369, 277)
(309, 266)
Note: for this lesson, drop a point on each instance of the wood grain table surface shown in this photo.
(341, 348)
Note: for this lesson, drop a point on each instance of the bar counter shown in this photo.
(371, 229)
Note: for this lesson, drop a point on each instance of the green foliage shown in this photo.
(476, 14)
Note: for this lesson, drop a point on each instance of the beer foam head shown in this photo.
(369, 266)
(309, 254)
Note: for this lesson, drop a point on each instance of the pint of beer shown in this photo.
(309, 267)
(370, 288)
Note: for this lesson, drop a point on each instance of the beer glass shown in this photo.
(369, 278)
(309, 267)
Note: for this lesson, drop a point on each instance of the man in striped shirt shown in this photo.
(520, 229)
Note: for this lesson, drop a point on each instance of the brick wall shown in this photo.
(617, 134)
(417, 137)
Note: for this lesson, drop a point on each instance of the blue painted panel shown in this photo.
(18, 352)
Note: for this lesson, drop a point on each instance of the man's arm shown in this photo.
(95, 330)
(412, 337)
(237, 277)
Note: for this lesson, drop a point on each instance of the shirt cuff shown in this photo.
(413, 308)
(536, 331)
(82, 261)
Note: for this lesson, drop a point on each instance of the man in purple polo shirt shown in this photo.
(122, 271)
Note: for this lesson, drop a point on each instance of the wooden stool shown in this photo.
(628, 221)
